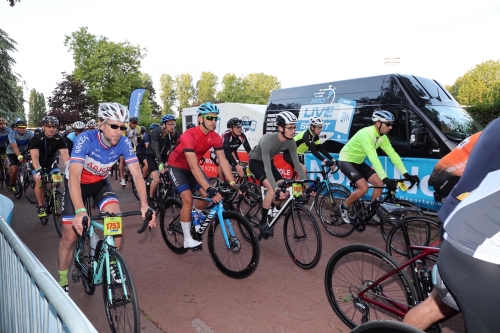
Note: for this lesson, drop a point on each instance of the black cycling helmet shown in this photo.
(38, 130)
(134, 120)
(190, 125)
(143, 129)
(233, 122)
(21, 123)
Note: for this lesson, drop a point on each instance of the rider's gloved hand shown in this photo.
(390, 183)
(330, 163)
(37, 174)
(277, 194)
(20, 158)
(412, 178)
(160, 166)
(211, 192)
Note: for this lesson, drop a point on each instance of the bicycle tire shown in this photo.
(134, 189)
(19, 186)
(355, 267)
(2, 174)
(250, 206)
(241, 259)
(123, 314)
(422, 231)
(29, 188)
(302, 238)
(170, 225)
(387, 222)
(330, 214)
(322, 188)
(57, 212)
(85, 265)
(386, 326)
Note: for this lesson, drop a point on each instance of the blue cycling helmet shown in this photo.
(153, 126)
(208, 107)
(383, 116)
(166, 118)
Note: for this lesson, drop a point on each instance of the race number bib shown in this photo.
(112, 226)
(296, 189)
(57, 178)
(403, 186)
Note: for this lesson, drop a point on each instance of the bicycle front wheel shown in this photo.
(20, 188)
(120, 299)
(241, 258)
(170, 225)
(29, 187)
(323, 189)
(329, 213)
(356, 267)
(57, 212)
(302, 237)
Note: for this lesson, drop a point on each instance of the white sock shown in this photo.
(186, 229)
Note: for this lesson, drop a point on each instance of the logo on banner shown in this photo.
(324, 96)
(247, 124)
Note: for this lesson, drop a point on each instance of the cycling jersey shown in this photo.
(141, 145)
(22, 141)
(231, 143)
(365, 144)
(47, 148)
(131, 134)
(455, 161)
(307, 140)
(193, 140)
(4, 136)
(161, 145)
(97, 158)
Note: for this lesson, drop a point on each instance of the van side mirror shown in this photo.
(418, 138)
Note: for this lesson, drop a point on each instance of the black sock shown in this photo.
(264, 215)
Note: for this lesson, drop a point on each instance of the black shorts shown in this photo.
(355, 172)
(257, 168)
(183, 179)
(3, 150)
(152, 165)
(101, 192)
(141, 158)
(13, 159)
(49, 169)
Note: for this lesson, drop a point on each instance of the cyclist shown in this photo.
(91, 124)
(140, 149)
(469, 256)
(163, 139)
(18, 144)
(37, 130)
(147, 139)
(263, 168)
(190, 125)
(184, 170)
(309, 140)
(365, 144)
(4, 137)
(232, 139)
(131, 133)
(43, 148)
(79, 128)
(68, 130)
(93, 155)
(449, 169)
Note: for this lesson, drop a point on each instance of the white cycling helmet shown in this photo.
(113, 111)
(78, 125)
(285, 118)
(91, 123)
(383, 116)
(316, 121)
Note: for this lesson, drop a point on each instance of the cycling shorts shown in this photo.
(48, 168)
(355, 172)
(13, 159)
(257, 168)
(101, 192)
(183, 180)
(141, 158)
(3, 150)
(152, 164)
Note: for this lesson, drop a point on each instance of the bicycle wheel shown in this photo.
(84, 264)
(57, 212)
(355, 267)
(321, 191)
(29, 187)
(170, 225)
(134, 188)
(329, 213)
(241, 258)
(19, 186)
(2, 173)
(302, 237)
(422, 231)
(120, 299)
(250, 206)
(386, 326)
(388, 221)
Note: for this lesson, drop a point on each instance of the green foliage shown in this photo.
(254, 88)
(483, 113)
(109, 70)
(167, 94)
(37, 108)
(146, 121)
(149, 100)
(11, 98)
(184, 91)
(206, 88)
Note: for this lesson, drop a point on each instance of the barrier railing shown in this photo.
(30, 298)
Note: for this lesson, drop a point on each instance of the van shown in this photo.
(428, 124)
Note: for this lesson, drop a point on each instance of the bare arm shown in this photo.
(135, 170)
(35, 154)
(75, 193)
(224, 164)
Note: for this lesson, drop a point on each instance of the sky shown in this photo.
(299, 42)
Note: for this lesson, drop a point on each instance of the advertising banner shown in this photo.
(135, 100)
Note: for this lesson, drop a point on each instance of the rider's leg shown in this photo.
(145, 170)
(429, 312)
(185, 217)
(121, 167)
(362, 189)
(39, 194)
(375, 181)
(13, 173)
(155, 175)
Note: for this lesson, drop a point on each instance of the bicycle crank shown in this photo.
(359, 224)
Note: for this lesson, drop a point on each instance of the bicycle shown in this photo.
(232, 242)
(248, 179)
(4, 171)
(92, 267)
(299, 225)
(360, 217)
(22, 172)
(53, 198)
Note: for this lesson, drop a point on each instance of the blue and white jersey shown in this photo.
(21, 140)
(97, 158)
(71, 136)
(4, 136)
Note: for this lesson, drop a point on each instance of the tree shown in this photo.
(37, 108)
(109, 70)
(150, 96)
(9, 91)
(206, 87)
(253, 89)
(69, 102)
(184, 91)
(232, 89)
(167, 93)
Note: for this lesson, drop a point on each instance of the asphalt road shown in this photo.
(187, 293)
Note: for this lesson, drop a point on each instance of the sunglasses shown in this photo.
(389, 124)
(211, 118)
(51, 126)
(114, 126)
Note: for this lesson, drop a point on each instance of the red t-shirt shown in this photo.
(193, 140)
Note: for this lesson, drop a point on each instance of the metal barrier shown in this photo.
(30, 299)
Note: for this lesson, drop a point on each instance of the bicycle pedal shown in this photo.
(75, 275)
(197, 248)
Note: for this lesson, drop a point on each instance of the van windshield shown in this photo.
(455, 122)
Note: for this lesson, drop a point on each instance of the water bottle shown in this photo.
(201, 218)
(195, 218)
(94, 238)
(425, 280)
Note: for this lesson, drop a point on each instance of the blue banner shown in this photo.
(135, 100)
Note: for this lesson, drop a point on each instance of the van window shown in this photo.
(189, 119)
(404, 122)
(454, 122)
